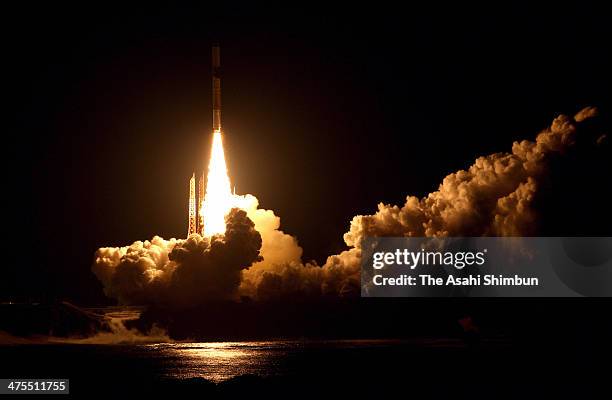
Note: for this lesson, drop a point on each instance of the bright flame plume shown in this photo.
(218, 199)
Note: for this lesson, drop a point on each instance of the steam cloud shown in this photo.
(493, 197)
(180, 272)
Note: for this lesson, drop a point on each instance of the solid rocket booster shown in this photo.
(216, 87)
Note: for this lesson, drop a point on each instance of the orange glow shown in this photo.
(218, 199)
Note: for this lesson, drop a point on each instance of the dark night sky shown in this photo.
(325, 115)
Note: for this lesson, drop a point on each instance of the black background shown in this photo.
(326, 113)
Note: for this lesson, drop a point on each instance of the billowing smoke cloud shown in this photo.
(281, 271)
(494, 197)
(180, 272)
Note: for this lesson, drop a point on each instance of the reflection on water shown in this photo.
(126, 364)
(219, 361)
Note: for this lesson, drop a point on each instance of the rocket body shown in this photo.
(216, 87)
(197, 181)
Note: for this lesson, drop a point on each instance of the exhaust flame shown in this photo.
(218, 199)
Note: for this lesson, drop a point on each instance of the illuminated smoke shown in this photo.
(495, 196)
(118, 333)
(180, 271)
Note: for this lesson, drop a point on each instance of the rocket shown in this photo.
(216, 87)
(196, 183)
